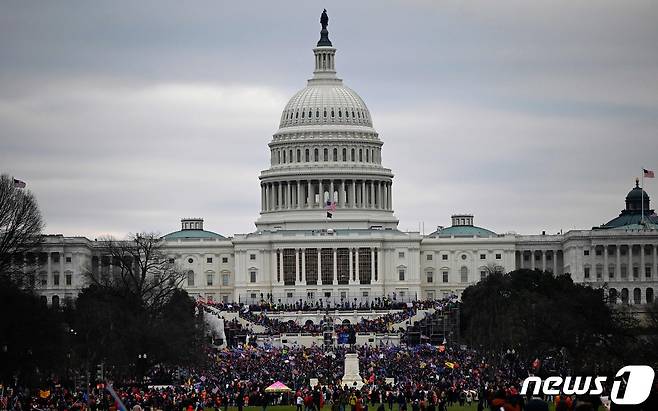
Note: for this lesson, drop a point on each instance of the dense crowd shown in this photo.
(425, 378)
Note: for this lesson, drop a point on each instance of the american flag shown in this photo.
(648, 173)
(331, 208)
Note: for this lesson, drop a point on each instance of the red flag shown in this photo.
(647, 173)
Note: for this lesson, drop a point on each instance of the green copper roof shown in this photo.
(632, 221)
(192, 234)
(463, 231)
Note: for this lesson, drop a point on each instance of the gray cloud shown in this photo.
(126, 116)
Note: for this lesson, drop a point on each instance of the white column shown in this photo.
(543, 260)
(49, 282)
(605, 262)
(298, 277)
(351, 281)
(335, 281)
(342, 194)
(642, 263)
(629, 270)
(372, 265)
(357, 277)
(618, 266)
(278, 195)
(299, 194)
(352, 194)
(532, 259)
(308, 194)
(372, 194)
(331, 190)
(555, 262)
(363, 194)
(303, 266)
(390, 196)
(319, 268)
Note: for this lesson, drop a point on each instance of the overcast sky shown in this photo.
(125, 116)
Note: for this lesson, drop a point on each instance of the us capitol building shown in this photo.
(326, 150)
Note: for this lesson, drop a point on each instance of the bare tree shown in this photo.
(140, 270)
(493, 268)
(20, 225)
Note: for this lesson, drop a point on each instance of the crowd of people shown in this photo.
(424, 378)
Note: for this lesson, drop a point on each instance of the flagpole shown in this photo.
(642, 196)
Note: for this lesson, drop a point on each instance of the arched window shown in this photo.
(335, 154)
(325, 113)
(55, 301)
(637, 296)
(352, 154)
(297, 114)
(317, 155)
(367, 156)
(299, 155)
(310, 114)
(278, 157)
(332, 113)
(306, 155)
(290, 158)
(361, 155)
(624, 295)
(302, 114)
(612, 296)
(649, 295)
(344, 154)
(464, 274)
(340, 113)
(326, 155)
(190, 278)
(284, 156)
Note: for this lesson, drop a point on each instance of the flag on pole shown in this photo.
(331, 208)
(648, 173)
(19, 183)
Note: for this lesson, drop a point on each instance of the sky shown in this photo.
(127, 116)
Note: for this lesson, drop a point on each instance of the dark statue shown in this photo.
(324, 19)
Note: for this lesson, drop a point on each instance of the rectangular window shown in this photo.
(586, 272)
(498, 256)
(343, 265)
(171, 261)
(445, 276)
(365, 265)
(624, 272)
(647, 271)
(252, 276)
(327, 294)
(253, 296)
(365, 294)
(68, 259)
(586, 252)
(483, 256)
(327, 265)
(224, 260)
(55, 278)
(311, 257)
(69, 279)
(288, 294)
(56, 258)
(225, 279)
(190, 278)
(444, 257)
(429, 257)
(636, 272)
(401, 254)
(209, 260)
(483, 275)
(611, 271)
(289, 266)
(599, 272)
(598, 251)
(430, 277)
(310, 294)
(252, 257)
(343, 294)
(209, 279)
(401, 275)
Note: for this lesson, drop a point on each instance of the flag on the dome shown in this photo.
(331, 208)
(648, 173)
(19, 183)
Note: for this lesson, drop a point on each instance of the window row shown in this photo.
(344, 154)
(444, 257)
(210, 279)
(358, 116)
(622, 271)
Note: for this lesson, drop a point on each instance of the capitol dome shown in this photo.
(326, 158)
(325, 102)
